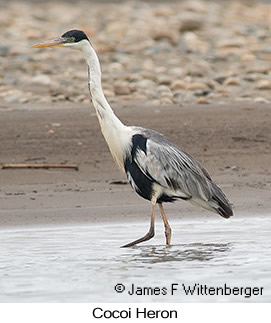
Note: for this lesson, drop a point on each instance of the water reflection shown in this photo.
(181, 252)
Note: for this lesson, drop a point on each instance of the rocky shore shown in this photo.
(158, 52)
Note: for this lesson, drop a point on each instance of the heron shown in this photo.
(158, 170)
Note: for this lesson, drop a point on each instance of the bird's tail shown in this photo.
(217, 202)
(220, 203)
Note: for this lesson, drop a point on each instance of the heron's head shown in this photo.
(72, 38)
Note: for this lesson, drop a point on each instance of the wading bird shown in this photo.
(157, 170)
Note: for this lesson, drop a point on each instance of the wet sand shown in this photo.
(232, 141)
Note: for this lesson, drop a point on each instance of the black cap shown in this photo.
(76, 34)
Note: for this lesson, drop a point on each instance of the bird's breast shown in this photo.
(119, 142)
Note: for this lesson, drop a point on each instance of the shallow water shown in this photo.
(84, 263)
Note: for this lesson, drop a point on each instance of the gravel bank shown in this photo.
(175, 52)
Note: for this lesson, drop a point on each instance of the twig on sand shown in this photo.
(44, 166)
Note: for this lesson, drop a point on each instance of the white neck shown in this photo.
(114, 131)
(100, 103)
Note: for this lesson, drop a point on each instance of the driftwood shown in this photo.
(44, 166)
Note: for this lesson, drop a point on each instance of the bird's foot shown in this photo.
(146, 237)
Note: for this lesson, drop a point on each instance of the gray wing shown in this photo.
(172, 168)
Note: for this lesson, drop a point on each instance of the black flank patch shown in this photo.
(139, 142)
(143, 183)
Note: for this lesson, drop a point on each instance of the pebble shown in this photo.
(145, 84)
(165, 34)
(228, 43)
(163, 80)
(24, 100)
(163, 12)
(163, 88)
(197, 70)
(81, 97)
(260, 99)
(248, 57)
(203, 100)
(195, 6)
(252, 77)
(166, 101)
(167, 95)
(42, 79)
(177, 85)
(196, 86)
(190, 21)
(258, 67)
(264, 85)
(121, 88)
(194, 43)
(232, 81)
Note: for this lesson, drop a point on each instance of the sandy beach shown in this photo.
(232, 141)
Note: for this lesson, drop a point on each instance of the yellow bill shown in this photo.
(52, 43)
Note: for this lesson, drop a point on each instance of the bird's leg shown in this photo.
(167, 226)
(150, 233)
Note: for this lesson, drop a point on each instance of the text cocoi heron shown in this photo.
(157, 170)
